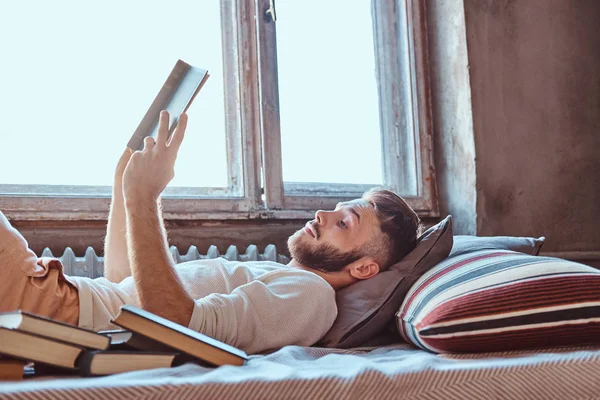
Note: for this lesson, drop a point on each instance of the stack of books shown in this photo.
(146, 341)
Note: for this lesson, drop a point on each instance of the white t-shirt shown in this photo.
(256, 306)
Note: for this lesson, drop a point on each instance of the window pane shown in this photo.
(78, 76)
(328, 92)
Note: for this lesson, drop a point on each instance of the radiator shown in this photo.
(92, 265)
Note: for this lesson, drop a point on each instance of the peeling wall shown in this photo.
(451, 110)
(535, 87)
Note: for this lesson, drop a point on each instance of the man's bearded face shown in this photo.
(318, 254)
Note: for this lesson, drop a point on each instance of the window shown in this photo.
(299, 113)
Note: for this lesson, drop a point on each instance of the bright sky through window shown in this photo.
(328, 92)
(78, 76)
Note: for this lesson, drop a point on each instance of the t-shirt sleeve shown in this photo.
(290, 309)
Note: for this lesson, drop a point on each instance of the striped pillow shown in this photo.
(496, 300)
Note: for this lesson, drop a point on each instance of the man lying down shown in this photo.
(255, 306)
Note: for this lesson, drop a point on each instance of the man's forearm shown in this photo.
(116, 261)
(158, 286)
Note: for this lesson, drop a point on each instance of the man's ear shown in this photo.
(364, 268)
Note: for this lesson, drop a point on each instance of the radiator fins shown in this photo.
(92, 266)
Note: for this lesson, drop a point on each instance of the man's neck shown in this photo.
(337, 280)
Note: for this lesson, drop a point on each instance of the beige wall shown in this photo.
(534, 81)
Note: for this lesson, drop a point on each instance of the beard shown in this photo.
(321, 256)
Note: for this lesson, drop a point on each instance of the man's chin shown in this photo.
(295, 241)
(319, 256)
(295, 237)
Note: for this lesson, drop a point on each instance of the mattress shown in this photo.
(393, 371)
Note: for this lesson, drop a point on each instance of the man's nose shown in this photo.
(320, 217)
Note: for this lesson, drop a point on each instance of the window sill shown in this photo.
(46, 208)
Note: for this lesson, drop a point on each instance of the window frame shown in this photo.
(400, 35)
(253, 137)
(69, 202)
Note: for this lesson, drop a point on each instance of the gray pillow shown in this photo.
(365, 307)
(527, 245)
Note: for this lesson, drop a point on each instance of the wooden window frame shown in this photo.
(401, 52)
(256, 188)
(66, 202)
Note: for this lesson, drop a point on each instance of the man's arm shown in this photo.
(116, 262)
(146, 175)
(158, 286)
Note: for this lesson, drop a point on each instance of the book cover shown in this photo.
(32, 323)
(39, 349)
(175, 96)
(179, 337)
(11, 369)
(108, 362)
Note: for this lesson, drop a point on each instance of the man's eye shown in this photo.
(343, 225)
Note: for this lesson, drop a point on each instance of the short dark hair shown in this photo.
(399, 224)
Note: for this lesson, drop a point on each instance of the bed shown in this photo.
(384, 365)
(396, 370)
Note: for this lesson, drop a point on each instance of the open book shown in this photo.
(179, 337)
(175, 96)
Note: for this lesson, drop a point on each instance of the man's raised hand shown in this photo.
(150, 170)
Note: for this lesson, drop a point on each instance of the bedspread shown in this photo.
(394, 371)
